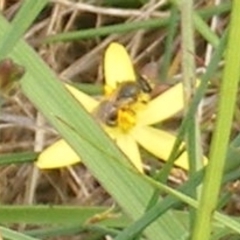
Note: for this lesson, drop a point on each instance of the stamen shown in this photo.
(126, 119)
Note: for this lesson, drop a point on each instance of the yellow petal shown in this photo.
(162, 107)
(59, 154)
(159, 143)
(117, 65)
(88, 102)
(127, 144)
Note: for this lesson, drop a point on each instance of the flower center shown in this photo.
(127, 116)
(119, 109)
(126, 119)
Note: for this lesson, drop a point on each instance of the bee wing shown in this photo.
(106, 112)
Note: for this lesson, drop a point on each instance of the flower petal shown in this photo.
(88, 102)
(128, 145)
(159, 143)
(118, 66)
(162, 107)
(59, 154)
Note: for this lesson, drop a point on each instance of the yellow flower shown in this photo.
(132, 125)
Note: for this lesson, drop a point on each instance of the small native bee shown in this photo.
(126, 94)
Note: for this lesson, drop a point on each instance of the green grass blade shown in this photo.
(146, 24)
(55, 215)
(172, 31)
(192, 137)
(24, 18)
(73, 230)
(189, 79)
(17, 158)
(13, 235)
(205, 31)
(233, 156)
(104, 31)
(228, 91)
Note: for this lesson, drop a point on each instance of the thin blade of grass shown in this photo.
(192, 137)
(24, 18)
(146, 24)
(218, 149)
(13, 235)
(205, 31)
(17, 158)
(172, 31)
(56, 215)
(73, 230)
(104, 31)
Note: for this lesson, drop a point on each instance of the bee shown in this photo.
(126, 94)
